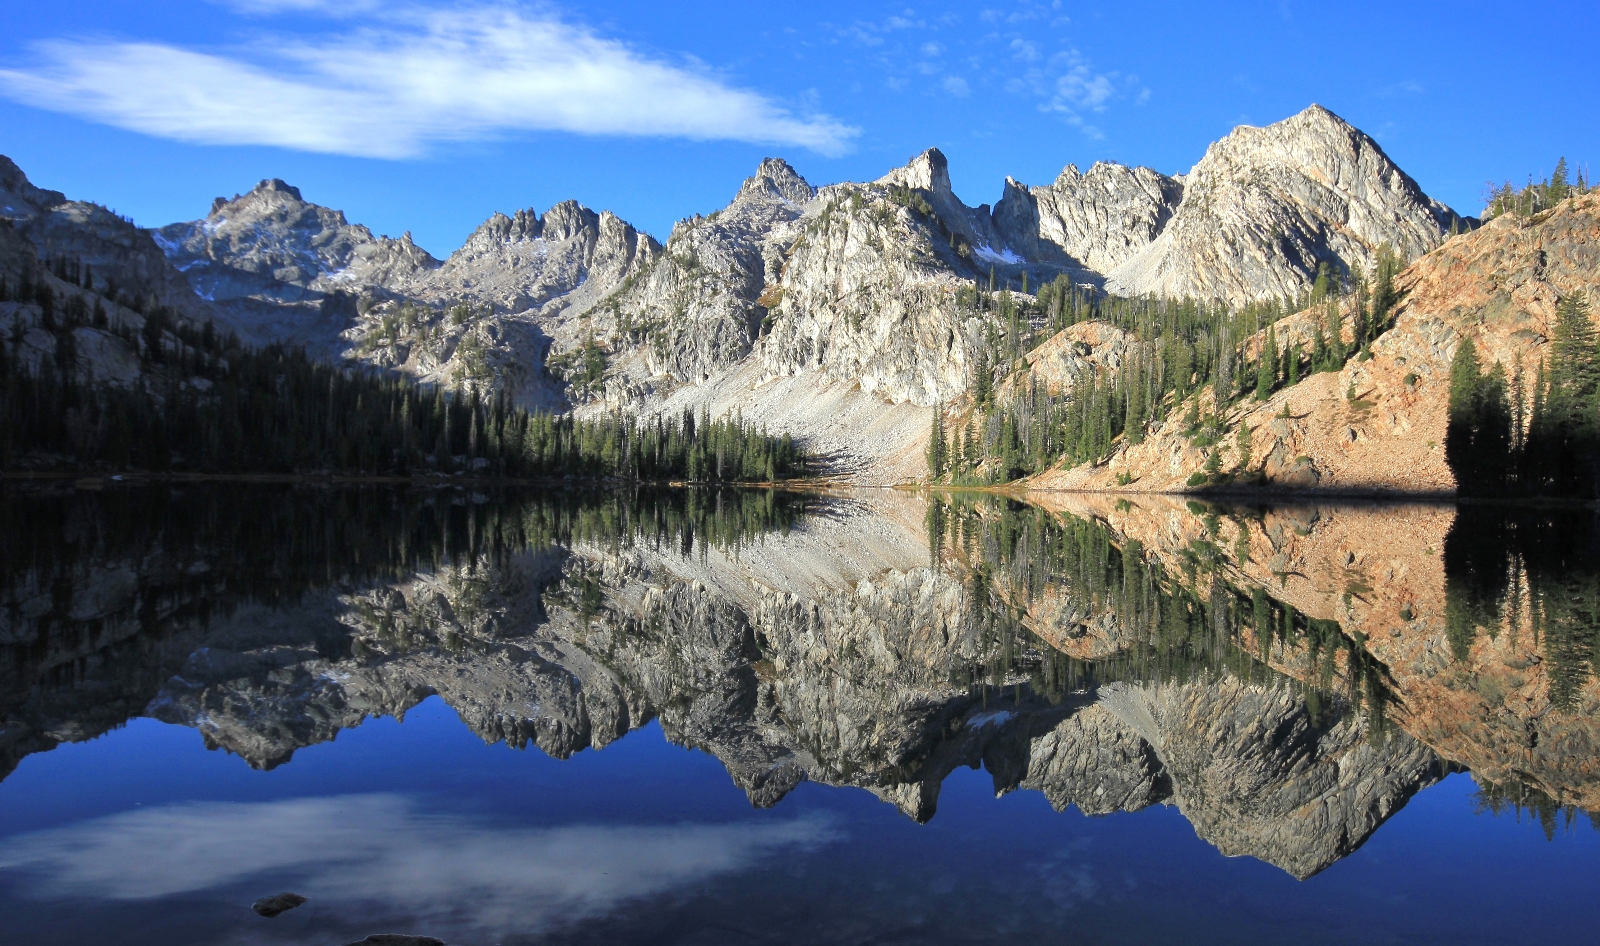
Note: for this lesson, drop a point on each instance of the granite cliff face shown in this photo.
(701, 305)
(869, 292)
(1267, 206)
(1097, 220)
(569, 258)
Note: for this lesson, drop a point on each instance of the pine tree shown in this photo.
(1459, 449)
(1267, 365)
(1134, 380)
(982, 383)
(936, 444)
(1575, 362)
(1337, 353)
(1562, 455)
(1558, 183)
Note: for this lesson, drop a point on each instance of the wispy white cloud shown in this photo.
(338, 8)
(1019, 48)
(357, 851)
(1078, 86)
(1067, 84)
(391, 86)
(1024, 51)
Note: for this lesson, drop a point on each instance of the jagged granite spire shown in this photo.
(1097, 220)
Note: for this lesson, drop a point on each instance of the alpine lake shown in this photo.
(678, 716)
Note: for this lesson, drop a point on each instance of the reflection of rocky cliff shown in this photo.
(832, 652)
(1478, 682)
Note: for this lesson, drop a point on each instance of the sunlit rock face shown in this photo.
(1266, 206)
(1098, 220)
(700, 305)
(1498, 285)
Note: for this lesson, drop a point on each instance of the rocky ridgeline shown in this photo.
(1099, 220)
(834, 314)
(121, 257)
(269, 262)
(1266, 206)
(279, 268)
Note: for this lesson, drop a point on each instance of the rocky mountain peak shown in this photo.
(277, 186)
(1291, 196)
(521, 227)
(1315, 137)
(776, 178)
(569, 219)
(1096, 220)
(270, 197)
(928, 171)
(270, 233)
(19, 198)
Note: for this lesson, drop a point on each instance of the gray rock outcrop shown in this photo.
(1267, 206)
(271, 242)
(700, 306)
(124, 261)
(1096, 221)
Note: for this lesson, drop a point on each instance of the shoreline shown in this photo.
(92, 481)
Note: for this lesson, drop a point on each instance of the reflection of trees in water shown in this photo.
(1528, 570)
(1191, 622)
(116, 586)
(1517, 799)
(224, 544)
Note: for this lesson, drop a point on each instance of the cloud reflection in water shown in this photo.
(383, 851)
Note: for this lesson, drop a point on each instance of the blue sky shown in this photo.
(428, 116)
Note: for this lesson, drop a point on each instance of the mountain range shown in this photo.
(842, 314)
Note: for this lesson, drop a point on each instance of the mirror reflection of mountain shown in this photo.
(1106, 653)
(105, 595)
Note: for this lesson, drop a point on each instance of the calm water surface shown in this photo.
(697, 718)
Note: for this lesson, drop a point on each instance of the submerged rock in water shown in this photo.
(397, 939)
(272, 906)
